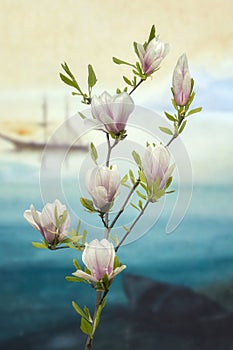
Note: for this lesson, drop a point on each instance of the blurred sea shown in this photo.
(34, 293)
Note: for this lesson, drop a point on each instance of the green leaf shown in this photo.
(118, 91)
(193, 111)
(116, 262)
(135, 207)
(141, 195)
(169, 181)
(88, 204)
(142, 177)
(97, 316)
(127, 80)
(174, 104)
(86, 326)
(78, 309)
(76, 264)
(140, 204)
(182, 126)
(118, 61)
(166, 130)
(135, 45)
(170, 117)
(152, 33)
(191, 98)
(137, 159)
(74, 279)
(93, 152)
(131, 176)
(91, 76)
(124, 179)
(84, 236)
(87, 312)
(67, 80)
(82, 115)
(39, 245)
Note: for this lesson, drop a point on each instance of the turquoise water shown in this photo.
(199, 253)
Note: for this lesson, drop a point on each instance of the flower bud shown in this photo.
(156, 167)
(181, 81)
(98, 256)
(112, 111)
(103, 184)
(152, 55)
(53, 222)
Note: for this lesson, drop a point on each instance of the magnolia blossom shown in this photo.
(156, 164)
(181, 81)
(103, 184)
(98, 256)
(151, 56)
(45, 221)
(112, 111)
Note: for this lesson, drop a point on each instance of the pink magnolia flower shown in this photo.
(45, 221)
(112, 111)
(151, 56)
(156, 164)
(103, 184)
(181, 81)
(98, 256)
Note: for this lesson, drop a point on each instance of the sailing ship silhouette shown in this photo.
(30, 145)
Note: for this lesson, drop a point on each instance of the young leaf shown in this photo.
(137, 159)
(74, 279)
(152, 33)
(141, 195)
(97, 316)
(84, 237)
(91, 76)
(86, 326)
(182, 126)
(135, 207)
(93, 151)
(78, 309)
(136, 48)
(193, 111)
(170, 117)
(82, 115)
(131, 176)
(140, 204)
(124, 180)
(39, 245)
(67, 80)
(127, 80)
(88, 204)
(166, 130)
(118, 61)
(76, 264)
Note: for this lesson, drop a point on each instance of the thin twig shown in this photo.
(89, 342)
(136, 86)
(124, 204)
(132, 226)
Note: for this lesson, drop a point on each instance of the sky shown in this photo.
(37, 36)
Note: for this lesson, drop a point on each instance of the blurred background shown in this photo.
(178, 289)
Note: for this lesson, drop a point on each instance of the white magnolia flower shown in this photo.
(45, 221)
(151, 56)
(112, 111)
(103, 184)
(98, 257)
(181, 81)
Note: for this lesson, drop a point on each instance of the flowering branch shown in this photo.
(132, 226)
(103, 182)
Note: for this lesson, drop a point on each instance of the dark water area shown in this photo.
(181, 297)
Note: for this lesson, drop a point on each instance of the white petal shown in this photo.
(84, 275)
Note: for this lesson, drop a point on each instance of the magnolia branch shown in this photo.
(133, 224)
(124, 204)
